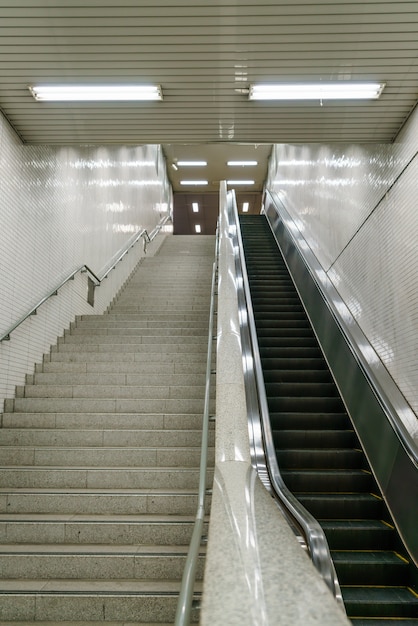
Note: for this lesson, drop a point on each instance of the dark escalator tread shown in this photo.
(312, 363)
(297, 376)
(287, 340)
(343, 505)
(308, 404)
(391, 621)
(314, 481)
(365, 567)
(358, 534)
(314, 438)
(331, 458)
(305, 420)
(289, 352)
(301, 388)
(393, 601)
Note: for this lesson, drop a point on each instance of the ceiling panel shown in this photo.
(205, 54)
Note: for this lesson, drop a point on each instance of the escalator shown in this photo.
(318, 452)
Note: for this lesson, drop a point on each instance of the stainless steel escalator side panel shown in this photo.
(263, 455)
(388, 445)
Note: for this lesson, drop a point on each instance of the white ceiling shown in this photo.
(203, 53)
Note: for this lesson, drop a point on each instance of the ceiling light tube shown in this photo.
(240, 182)
(241, 163)
(191, 163)
(61, 93)
(245, 207)
(195, 207)
(339, 90)
(197, 228)
(193, 182)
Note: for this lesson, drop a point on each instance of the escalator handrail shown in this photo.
(263, 449)
(85, 269)
(184, 604)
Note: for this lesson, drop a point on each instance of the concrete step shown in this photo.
(142, 357)
(120, 379)
(100, 421)
(142, 338)
(111, 391)
(100, 438)
(101, 456)
(148, 367)
(101, 477)
(104, 601)
(123, 331)
(91, 561)
(105, 501)
(105, 405)
(96, 529)
(153, 345)
(107, 321)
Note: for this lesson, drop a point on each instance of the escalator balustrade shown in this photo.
(318, 451)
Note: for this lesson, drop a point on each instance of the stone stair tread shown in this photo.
(99, 491)
(117, 587)
(75, 549)
(99, 518)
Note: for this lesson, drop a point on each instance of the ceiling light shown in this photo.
(174, 166)
(242, 163)
(195, 207)
(245, 207)
(240, 182)
(191, 163)
(197, 228)
(340, 90)
(193, 182)
(96, 92)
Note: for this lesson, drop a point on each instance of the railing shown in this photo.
(262, 445)
(147, 238)
(184, 606)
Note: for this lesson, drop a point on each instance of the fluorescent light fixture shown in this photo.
(193, 182)
(339, 90)
(174, 166)
(195, 207)
(245, 207)
(240, 182)
(197, 228)
(191, 163)
(95, 92)
(241, 163)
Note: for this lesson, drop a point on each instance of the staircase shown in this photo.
(100, 454)
(318, 451)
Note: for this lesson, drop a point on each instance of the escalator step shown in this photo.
(315, 481)
(297, 375)
(309, 404)
(330, 458)
(358, 534)
(290, 352)
(290, 332)
(301, 389)
(290, 363)
(393, 601)
(305, 420)
(313, 376)
(343, 506)
(370, 568)
(317, 438)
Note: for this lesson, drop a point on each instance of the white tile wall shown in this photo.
(60, 208)
(356, 207)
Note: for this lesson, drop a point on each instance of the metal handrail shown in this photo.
(184, 605)
(263, 450)
(85, 269)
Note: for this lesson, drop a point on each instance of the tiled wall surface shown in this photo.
(356, 207)
(60, 208)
